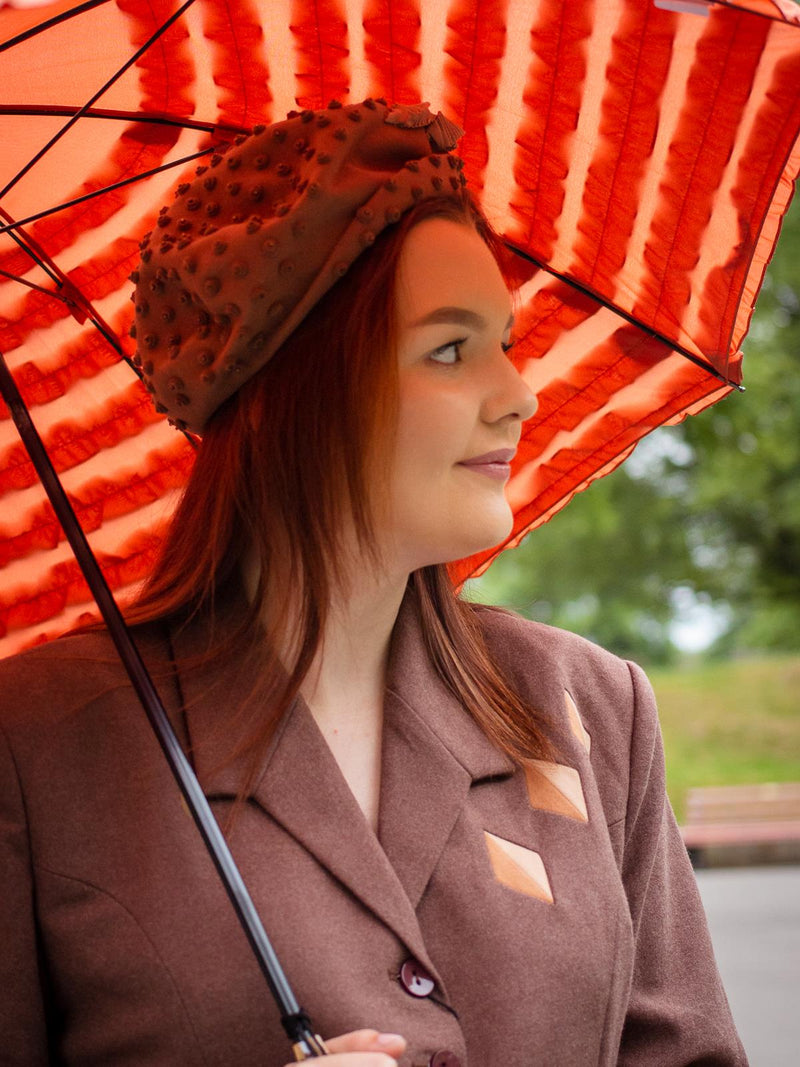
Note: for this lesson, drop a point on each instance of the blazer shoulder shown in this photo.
(45, 683)
(583, 690)
(528, 645)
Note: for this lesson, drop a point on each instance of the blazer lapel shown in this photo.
(298, 783)
(433, 752)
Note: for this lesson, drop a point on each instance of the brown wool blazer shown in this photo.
(553, 906)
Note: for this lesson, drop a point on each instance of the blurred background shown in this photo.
(687, 560)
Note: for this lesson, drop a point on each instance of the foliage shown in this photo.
(708, 510)
(602, 568)
(745, 475)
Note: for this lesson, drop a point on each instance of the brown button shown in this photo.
(416, 979)
(444, 1058)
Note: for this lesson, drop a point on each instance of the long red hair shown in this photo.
(295, 454)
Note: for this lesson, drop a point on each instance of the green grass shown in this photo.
(730, 723)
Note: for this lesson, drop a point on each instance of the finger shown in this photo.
(368, 1041)
(353, 1059)
(355, 1041)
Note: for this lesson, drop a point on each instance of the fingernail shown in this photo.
(390, 1039)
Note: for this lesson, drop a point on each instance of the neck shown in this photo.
(344, 689)
(351, 660)
(345, 685)
(354, 650)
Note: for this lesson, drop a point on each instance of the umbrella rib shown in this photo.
(76, 307)
(54, 21)
(11, 226)
(79, 306)
(587, 291)
(82, 110)
(129, 116)
(27, 246)
(33, 285)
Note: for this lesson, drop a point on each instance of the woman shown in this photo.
(453, 821)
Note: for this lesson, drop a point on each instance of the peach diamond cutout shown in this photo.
(554, 787)
(576, 723)
(518, 868)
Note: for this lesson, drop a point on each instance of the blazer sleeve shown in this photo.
(678, 1013)
(22, 1013)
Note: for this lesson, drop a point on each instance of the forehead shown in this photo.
(445, 263)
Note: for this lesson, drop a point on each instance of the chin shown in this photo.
(474, 538)
(495, 527)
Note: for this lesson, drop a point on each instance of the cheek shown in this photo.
(432, 433)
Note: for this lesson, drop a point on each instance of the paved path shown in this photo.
(754, 915)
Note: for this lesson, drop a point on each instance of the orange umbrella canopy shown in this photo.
(638, 156)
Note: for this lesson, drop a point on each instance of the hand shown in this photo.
(362, 1048)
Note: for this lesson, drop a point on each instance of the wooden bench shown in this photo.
(743, 824)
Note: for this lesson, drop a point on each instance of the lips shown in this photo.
(495, 464)
(500, 455)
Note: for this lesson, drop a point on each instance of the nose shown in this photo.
(509, 396)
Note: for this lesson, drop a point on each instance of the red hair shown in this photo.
(292, 458)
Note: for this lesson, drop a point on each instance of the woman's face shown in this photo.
(460, 399)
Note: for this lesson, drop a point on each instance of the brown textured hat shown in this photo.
(252, 244)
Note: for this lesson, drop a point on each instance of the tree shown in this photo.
(603, 568)
(744, 480)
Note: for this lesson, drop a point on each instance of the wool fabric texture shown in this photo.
(247, 249)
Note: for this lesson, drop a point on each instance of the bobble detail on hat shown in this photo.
(379, 153)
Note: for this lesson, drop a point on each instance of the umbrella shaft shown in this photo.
(295, 1021)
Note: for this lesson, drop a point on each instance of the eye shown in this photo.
(448, 354)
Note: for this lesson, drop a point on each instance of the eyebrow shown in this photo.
(457, 315)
